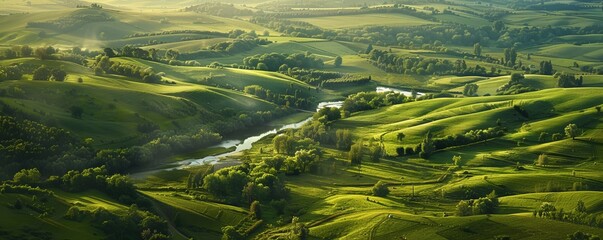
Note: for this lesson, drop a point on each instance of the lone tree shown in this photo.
(355, 153)
(427, 146)
(338, 61)
(369, 48)
(477, 49)
(400, 136)
(470, 89)
(380, 189)
(572, 131)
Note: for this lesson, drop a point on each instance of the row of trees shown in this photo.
(429, 144)
(297, 100)
(390, 62)
(578, 215)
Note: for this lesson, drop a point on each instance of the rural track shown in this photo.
(374, 229)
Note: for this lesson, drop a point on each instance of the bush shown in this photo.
(380, 189)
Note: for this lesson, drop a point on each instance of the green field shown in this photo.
(357, 21)
(365, 171)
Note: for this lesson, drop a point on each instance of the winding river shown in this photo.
(246, 143)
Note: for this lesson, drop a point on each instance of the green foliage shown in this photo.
(344, 139)
(10, 72)
(27, 176)
(355, 153)
(256, 210)
(230, 233)
(546, 67)
(477, 49)
(569, 80)
(380, 189)
(470, 89)
(273, 61)
(483, 205)
(338, 61)
(572, 131)
(582, 236)
(427, 146)
(42, 73)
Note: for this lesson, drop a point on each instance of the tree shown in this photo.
(542, 160)
(230, 233)
(26, 51)
(477, 49)
(343, 139)
(369, 48)
(338, 61)
(299, 230)
(463, 209)
(355, 153)
(427, 146)
(580, 207)
(41, 73)
(41, 53)
(516, 78)
(546, 68)
(470, 89)
(400, 136)
(510, 56)
(171, 54)
(58, 74)
(572, 131)
(27, 176)
(256, 210)
(109, 52)
(376, 152)
(380, 189)
(582, 236)
(262, 66)
(283, 68)
(456, 160)
(9, 53)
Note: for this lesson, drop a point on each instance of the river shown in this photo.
(246, 143)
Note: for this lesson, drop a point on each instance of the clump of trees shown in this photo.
(103, 64)
(380, 189)
(430, 144)
(273, 61)
(298, 98)
(483, 205)
(13, 72)
(372, 100)
(391, 62)
(515, 85)
(470, 89)
(324, 78)
(578, 215)
(569, 80)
